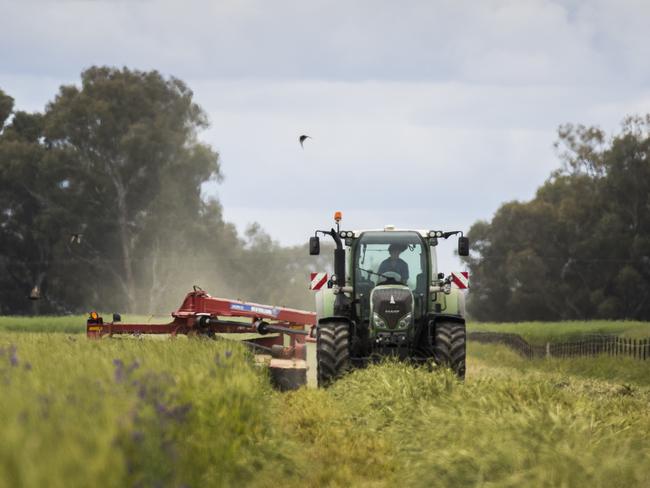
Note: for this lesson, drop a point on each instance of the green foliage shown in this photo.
(6, 107)
(117, 159)
(581, 248)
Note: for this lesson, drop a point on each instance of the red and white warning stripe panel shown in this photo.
(460, 279)
(318, 280)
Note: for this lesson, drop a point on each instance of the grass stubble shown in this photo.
(124, 412)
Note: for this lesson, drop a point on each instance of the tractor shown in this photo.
(386, 298)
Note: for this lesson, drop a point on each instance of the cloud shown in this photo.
(495, 41)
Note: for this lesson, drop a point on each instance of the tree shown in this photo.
(132, 138)
(581, 248)
(31, 209)
(101, 205)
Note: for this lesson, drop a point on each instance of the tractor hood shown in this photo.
(391, 308)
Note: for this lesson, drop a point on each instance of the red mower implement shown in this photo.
(283, 331)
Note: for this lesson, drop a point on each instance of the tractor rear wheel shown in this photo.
(449, 347)
(332, 352)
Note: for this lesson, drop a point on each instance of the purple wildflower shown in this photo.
(134, 365)
(137, 436)
(119, 370)
(13, 355)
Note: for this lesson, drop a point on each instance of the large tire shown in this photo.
(449, 347)
(332, 352)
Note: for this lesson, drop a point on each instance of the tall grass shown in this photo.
(191, 412)
(502, 427)
(128, 412)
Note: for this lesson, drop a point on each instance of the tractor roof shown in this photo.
(391, 228)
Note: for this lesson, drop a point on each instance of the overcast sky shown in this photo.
(424, 114)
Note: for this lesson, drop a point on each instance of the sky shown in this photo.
(423, 114)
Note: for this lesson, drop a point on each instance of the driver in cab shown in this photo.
(395, 263)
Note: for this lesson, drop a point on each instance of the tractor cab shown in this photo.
(390, 276)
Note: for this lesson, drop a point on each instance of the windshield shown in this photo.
(389, 258)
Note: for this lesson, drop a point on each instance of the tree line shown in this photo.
(101, 205)
(580, 249)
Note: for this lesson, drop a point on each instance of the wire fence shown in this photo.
(588, 345)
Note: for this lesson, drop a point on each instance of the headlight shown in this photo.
(405, 321)
(379, 322)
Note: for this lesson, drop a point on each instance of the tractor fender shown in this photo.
(325, 303)
(445, 317)
(454, 303)
(334, 319)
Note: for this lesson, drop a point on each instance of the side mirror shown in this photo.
(314, 246)
(463, 246)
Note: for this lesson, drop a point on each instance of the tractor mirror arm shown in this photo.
(333, 234)
(447, 235)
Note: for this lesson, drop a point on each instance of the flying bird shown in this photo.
(302, 139)
(75, 238)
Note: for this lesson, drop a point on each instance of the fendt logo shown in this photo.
(460, 279)
(318, 280)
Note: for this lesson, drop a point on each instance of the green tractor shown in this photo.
(386, 298)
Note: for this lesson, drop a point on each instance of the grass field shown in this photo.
(542, 332)
(69, 324)
(199, 413)
(534, 332)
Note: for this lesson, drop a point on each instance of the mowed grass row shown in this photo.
(192, 412)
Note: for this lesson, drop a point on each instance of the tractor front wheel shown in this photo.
(449, 347)
(332, 352)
